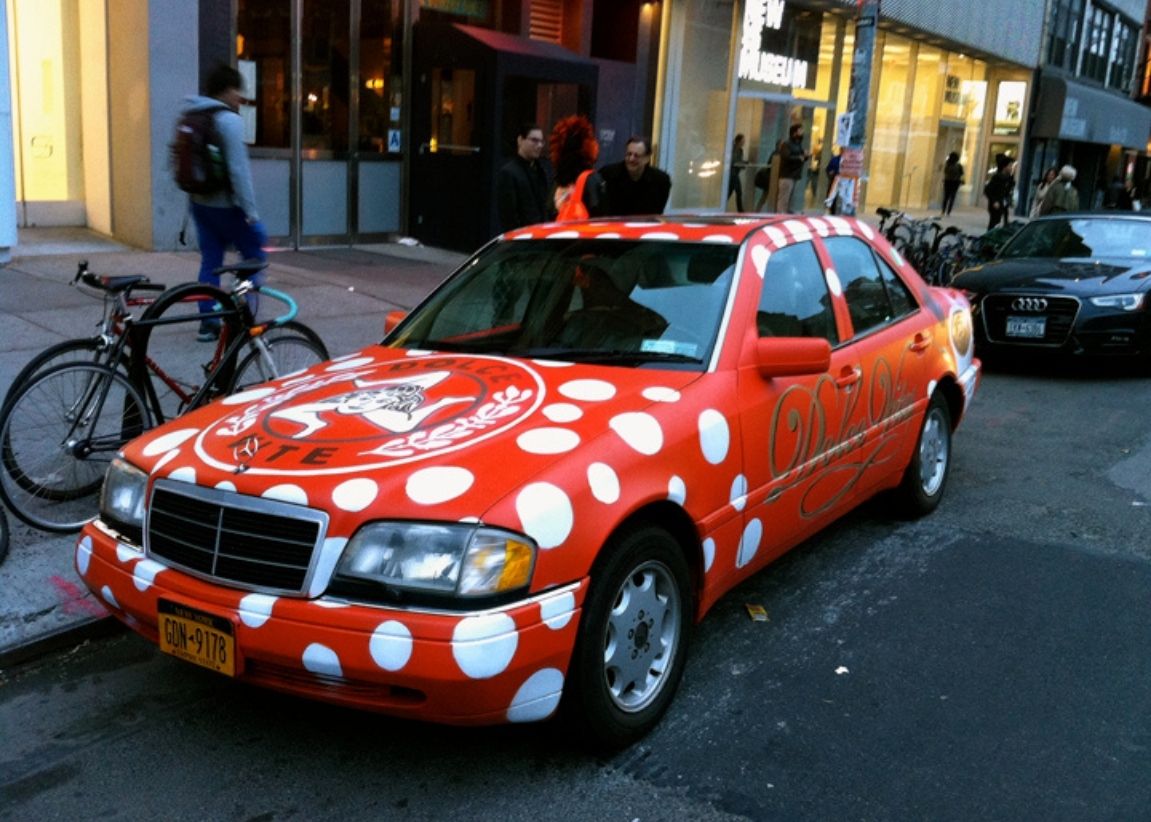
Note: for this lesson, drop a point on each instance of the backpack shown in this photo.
(197, 157)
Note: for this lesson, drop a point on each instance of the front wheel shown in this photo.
(632, 643)
(926, 475)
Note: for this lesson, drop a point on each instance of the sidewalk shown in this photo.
(343, 294)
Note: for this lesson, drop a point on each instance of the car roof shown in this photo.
(733, 228)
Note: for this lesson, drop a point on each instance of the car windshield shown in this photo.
(1077, 237)
(584, 300)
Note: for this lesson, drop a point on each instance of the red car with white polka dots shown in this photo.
(522, 499)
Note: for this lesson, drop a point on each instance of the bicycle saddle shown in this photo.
(243, 269)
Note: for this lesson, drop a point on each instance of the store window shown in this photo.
(1063, 33)
(1122, 60)
(1097, 43)
(381, 90)
(263, 42)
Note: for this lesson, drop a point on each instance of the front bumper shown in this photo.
(504, 664)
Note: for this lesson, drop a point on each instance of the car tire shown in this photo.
(632, 643)
(925, 477)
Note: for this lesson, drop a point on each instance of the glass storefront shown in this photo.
(788, 64)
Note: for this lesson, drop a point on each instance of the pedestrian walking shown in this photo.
(1061, 195)
(793, 158)
(952, 180)
(522, 184)
(226, 217)
(634, 186)
(998, 192)
(1049, 177)
(734, 181)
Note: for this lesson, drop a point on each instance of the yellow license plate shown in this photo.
(195, 636)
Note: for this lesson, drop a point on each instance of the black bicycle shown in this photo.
(63, 424)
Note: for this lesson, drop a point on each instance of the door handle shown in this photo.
(849, 375)
(920, 343)
(427, 147)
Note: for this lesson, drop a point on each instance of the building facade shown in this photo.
(369, 119)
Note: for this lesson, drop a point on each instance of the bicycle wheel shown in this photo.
(90, 349)
(168, 363)
(57, 437)
(4, 530)
(278, 352)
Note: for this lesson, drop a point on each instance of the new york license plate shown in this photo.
(1031, 327)
(196, 636)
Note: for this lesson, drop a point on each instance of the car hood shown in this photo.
(1071, 276)
(391, 433)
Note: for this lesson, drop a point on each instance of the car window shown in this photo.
(795, 301)
(587, 299)
(874, 294)
(1079, 237)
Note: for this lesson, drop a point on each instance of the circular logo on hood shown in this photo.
(358, 415)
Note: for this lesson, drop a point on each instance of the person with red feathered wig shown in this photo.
(574, 150)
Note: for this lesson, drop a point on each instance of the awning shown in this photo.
(1067, 110)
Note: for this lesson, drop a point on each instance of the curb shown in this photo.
(92, 628)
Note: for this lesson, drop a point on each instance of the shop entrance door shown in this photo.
(764, 122)
(949, 139)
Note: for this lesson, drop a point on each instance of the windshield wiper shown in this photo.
(606, 355)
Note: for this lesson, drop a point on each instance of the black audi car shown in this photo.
(1075, 283)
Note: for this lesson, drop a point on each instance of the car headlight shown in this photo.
(1126, 302)
(122, 498)
(456, 559)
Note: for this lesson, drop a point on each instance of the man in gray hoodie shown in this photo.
(227, 217)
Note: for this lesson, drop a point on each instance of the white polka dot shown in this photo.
(527, 235)
(708, 554)
(931, 387)
(256, 609)
(83, 555)
(660, 235)
(865, 229)
(557, 611)
(346, 357)
(548, 441)
(226, 485)
(799, 230)
(604, 482)
(609, 235)
(320, 659)
(639, 430)
(483, 646)
(330, 553)
(537, 698)
(749, 543)
(718, 238)
(355, 494)
(347, 365)
(840, 225)
(676, 490)
(109, 597)
(145, 573)
(287, 493)
(187, 474)
(553, 363)
(778, 238)
(759, 257)
(248, 396)
(714, 436)
(641, 224)
(819, 226)
(167, 442)
(431, 486)
(126, 553)
(391, 645)
(563, 412)
(326, 603)
(588, 390)
(546, 513)
(739, 492)
(659, 393)
(164, 460)
(563, 235)
(833, 282)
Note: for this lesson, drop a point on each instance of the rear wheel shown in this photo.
(632, 642)
(278, 352)
(926, 476)
(59, 433)
(82, 350)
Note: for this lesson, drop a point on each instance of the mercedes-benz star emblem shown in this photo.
(1029, 304)
(244, 453)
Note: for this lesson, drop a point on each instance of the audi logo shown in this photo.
(1029, 304)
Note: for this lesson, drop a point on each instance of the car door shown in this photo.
(890, 339)
(795, 433)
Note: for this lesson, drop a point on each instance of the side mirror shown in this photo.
(792, 356)
(392, 319)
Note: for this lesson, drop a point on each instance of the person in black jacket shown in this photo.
(634, 186)
(998, 192)
(522, 185)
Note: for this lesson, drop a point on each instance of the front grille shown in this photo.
(248, 542)
(1059, 315)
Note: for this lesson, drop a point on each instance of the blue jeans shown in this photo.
(216, 230)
